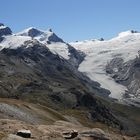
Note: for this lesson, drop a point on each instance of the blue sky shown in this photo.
(73, 19)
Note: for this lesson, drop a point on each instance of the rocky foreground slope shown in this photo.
(48, 124)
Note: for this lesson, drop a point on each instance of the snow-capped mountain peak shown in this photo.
(31, 31)
(45, 37)
(127, 33)
(4, 30)
(48, 38)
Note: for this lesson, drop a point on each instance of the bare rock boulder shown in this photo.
(13, 137)
(70, 134)
(24, 133)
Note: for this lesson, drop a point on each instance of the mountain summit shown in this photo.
(42, 36)
(4, 30)
(127, 33)
(32, 32)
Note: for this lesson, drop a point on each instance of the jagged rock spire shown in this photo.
(50, 30)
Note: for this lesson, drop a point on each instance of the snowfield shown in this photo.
(60, 49)
(99, 53)
(13, 41)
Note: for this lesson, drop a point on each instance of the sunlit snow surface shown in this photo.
(59, 48)
(13, 41)
(3, 27)
(99, 53)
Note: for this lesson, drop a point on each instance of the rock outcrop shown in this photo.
(14, 137)
(127, 74)
(24, 133)
(4, 30)
(70, 134)
(94, 134)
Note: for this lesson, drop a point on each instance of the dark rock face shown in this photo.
(127, 74)
(101, 39)
(34, 32)
(96, 113)
(1, 38)
(50, 30)
(54, 38)
(4, 30)
(76, 57)
(134, 31)
(1, 24)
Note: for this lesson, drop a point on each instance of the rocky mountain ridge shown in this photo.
(45, 72)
